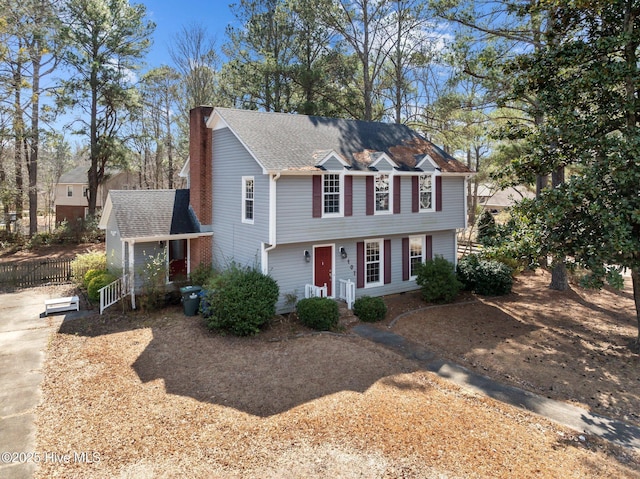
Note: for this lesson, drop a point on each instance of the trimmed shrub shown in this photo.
(369, 309)
(97, 283)
(318, 313)
(493, 278)
(438, 281)
(485, 277)
(89, 275)
(242, 300)
(84, 262)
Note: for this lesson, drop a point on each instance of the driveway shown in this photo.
(23, 341)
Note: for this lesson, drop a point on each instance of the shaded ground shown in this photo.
(575, 346)
(160, 396)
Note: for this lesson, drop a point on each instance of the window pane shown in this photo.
(382, 193)
(415, 254)
(425, 192)
(331, 193)
(248, 199)
(372, 261)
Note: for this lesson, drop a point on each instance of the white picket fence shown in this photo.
(347, 292)
(114, 292)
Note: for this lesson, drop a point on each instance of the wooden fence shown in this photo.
(35, 273)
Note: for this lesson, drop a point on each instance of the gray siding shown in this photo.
(234, 240)
(289, 268)
(295, 223)
(333, 164)
(113, 246)
(142, 253)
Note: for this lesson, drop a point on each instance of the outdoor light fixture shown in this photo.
(307, 256)
(343, 252)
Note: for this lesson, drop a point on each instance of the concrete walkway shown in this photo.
(23, 342)
(576, 418)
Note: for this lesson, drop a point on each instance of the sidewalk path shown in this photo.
(23, 342)
(573, 417)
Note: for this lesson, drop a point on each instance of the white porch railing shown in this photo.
(114, 292)
(313, 291)
(347, 291)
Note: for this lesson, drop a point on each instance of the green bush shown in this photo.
(84, 262)
(318, 313)
(486, 229)
(98, 282)
(241, 300)
(89, 275)
(485, 277)
(369, 309)
(438, 281)
(201, 274)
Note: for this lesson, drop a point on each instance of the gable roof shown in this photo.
(150, 213)
(282, 141)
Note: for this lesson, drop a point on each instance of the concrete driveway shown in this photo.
(23, 342)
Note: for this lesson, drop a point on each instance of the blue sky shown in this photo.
(171, 15)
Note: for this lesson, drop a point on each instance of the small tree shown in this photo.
(486, 229)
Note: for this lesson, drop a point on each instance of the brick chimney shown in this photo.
(200, 178)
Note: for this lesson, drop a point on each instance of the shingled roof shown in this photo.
(281, 141)
(149, 213)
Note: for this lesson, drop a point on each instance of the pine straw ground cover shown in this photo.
(160, 396)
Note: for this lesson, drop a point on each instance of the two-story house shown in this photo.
(312, 201)
(70, 199)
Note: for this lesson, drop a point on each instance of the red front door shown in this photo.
(177, 259)
(322, 263)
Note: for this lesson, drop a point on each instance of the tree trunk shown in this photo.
(635, 277)
(559, 279)
(32, 164)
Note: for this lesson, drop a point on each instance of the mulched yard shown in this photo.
(158, 395)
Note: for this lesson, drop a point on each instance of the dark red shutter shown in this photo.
(429, 247)
(405, 259)
(369, 190)
(360, 264)
(438, 193)
(415, 194)
(387, 261)
(348, 195)
(317, 196)
(396, 195)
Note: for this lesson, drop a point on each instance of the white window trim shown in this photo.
(341, 195)
(433, 193)
(422, 256)
(380, 281)
(244, 200)
(69, 190)
(375, 203)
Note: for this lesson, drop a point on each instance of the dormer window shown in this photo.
(383, 198)
(426, 192)
(331, 194)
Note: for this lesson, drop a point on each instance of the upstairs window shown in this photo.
(248, 199)
(426, 192)
(383, 198)
(331, 194)
(85, 191)
(69, 190)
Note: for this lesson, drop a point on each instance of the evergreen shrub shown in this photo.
(242, 300)
(438, 280)
(369, 309)
(318, 313)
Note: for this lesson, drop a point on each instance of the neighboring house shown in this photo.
(310, 201)
(495, 200)
(71, 201)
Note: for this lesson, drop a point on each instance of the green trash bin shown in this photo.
(190, 299)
